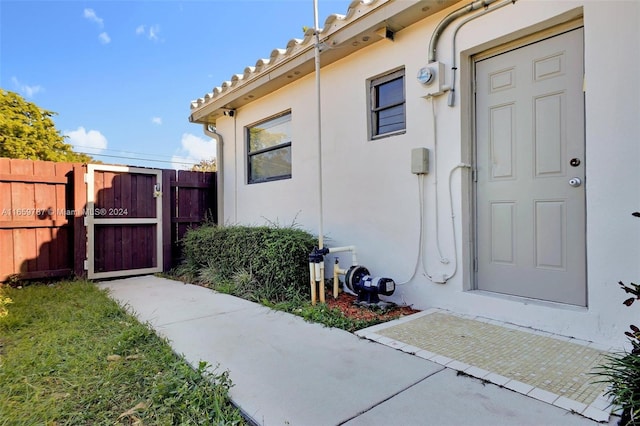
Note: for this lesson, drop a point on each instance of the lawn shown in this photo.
(70, 355)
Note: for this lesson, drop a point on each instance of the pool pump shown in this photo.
(367, 288)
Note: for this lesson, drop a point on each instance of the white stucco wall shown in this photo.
(371, 199)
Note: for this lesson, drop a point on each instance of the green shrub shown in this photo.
(270, 263)
(622, 370)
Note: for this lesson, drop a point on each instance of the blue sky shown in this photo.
(121, 74)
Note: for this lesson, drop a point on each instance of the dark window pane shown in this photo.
(391, 119)
(388, 114)
(390, 93)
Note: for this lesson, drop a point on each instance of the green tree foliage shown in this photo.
(205, 166)
(27, 131)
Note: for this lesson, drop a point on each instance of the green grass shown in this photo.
(57, 365)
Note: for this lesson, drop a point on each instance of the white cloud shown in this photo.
(25, 89)
(90, 14)
(152, 32)
(193, 150)
(91, 141)
(104, 38)
(156, 120)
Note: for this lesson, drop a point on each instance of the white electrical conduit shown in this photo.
(451, 100)
(453, 221)
(433, 43)
(421, 229)
(443, 260)
(421, 237)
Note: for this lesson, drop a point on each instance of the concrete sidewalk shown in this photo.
(286, 371)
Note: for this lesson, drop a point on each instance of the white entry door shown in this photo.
(530, 180)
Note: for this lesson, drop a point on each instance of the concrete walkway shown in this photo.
(286, 371)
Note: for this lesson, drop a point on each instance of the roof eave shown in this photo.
(350, 37)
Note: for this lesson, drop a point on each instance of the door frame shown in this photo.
(498, 49)
(90, 221)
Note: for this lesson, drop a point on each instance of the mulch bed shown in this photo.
(346, 303)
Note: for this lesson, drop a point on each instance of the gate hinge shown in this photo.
(475, 264)
(86, 178)
(85, 221)
(86, 264)
(474, 175)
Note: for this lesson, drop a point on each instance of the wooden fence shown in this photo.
(42, 216)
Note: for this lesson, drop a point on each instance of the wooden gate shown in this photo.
(131, 219)
(124, 221)
(193, 202)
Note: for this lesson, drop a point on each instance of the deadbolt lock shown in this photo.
(575, 162)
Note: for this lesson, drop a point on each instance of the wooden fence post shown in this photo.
(79, 230)
(168, 203)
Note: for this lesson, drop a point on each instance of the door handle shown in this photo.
(575, 182)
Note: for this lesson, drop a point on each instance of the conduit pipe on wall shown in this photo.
(432, 58)
(212, 133)
(451, 101)
(433, 43)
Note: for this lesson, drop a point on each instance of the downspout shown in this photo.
(449, 19)
(219, 171)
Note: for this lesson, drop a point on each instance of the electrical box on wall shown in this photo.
(420, 161)
(432, 78)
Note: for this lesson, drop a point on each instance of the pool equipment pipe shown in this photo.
(336, 268)
(352, 249)
(336, 281)
(316, 270)
(316, 274)
(357, 278)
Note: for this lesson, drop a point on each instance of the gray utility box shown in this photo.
(420, 161)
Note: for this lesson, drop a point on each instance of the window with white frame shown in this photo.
(269, 149)
(387, 105)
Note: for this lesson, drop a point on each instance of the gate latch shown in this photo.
(156, 191)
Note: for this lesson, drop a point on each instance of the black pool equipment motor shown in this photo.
(359, 281)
